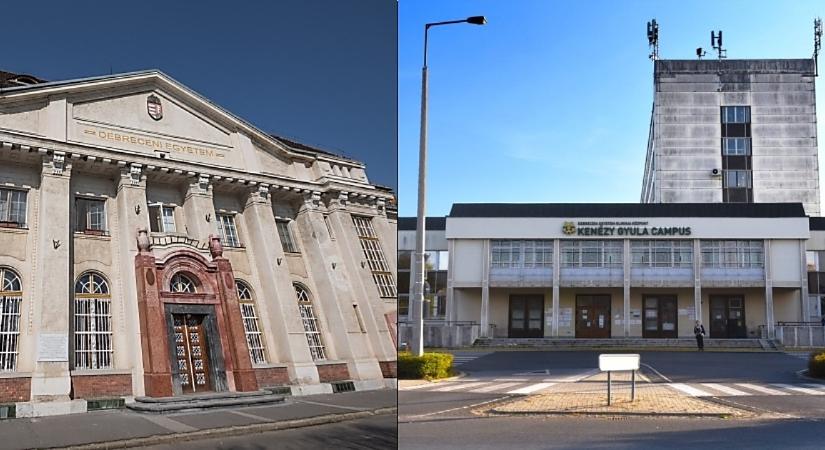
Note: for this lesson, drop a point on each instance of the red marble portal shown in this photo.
(216, 286)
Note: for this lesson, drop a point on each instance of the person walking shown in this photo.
(699, 331)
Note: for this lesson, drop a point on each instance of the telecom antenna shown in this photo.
(716, 43)
(817, 43)
(653, 39)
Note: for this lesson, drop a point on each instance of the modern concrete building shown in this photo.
(725, 130)
(152, 243)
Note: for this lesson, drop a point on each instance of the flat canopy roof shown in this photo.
(433, 223)
(572, 210)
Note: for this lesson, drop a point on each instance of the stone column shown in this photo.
(132, 215)
(556, 285)
(51, 382)
(697, 279)
(485, 289)
(769, 319)
(276, 300)
(335, 293)
(199, 209)
(626, 285)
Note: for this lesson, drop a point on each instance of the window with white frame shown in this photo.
(12, 208)
(521, 253)
(656, 253)
(11, 297)
(182, 284)
(227, 230)
(311, 329)
(371, 246)
(733, 254)
(92, 323)
(251, 326)
(162, 218)
(287, 242)
(91, 215)
(592, 253)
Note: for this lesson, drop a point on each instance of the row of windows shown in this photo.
(643, 253)
(93, 320)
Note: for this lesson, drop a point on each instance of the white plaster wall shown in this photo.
(468, 258)
(785, 261)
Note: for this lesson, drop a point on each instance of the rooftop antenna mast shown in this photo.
(716, 43)
(817, 43)
(653, 39)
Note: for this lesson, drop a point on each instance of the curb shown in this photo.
(233, 430)
(441, 380)
(606, 413)
(627, 349)
(803, 374)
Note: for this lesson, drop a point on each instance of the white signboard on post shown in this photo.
(618, 362)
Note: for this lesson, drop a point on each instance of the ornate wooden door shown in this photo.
(192, 353)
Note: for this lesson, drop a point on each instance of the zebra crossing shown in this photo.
(464, 358)
(745, 389)
(490, 386)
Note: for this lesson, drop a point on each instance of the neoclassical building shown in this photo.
(152, 243)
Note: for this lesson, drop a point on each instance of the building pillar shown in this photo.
(285, 333)
(803, 289)
(132, 215)
(450, 306)
(697, 280)
(556, 285)
(769, 319)
(485, 289)
(199, 209)
(51, 381)
(626, 285)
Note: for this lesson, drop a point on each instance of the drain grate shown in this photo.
(343, 386)
(105, 403)
(8, 411)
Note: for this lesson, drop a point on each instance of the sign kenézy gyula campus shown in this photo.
(621, 229)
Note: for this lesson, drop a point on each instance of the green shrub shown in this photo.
(816, 365)
(428, 366)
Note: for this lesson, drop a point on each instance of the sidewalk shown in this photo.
(589, 397)
(123, 428)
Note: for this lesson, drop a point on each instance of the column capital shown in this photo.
(199, 184)
(311, 201)
(258, 195)
(55, 163)
(132, 174)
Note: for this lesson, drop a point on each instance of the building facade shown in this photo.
(152, 243)
(436, 261)
(628, 270)
(734, 131)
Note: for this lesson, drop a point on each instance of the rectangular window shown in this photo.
(591, 253)
(286, 236)
(732, 254)
(162, 218)
(736, 146)
(251, 328)
(313, 334)
(12, 208)
(227, 230)
(736, 114)
(9, 329)
(737, 178)
(92, 333)
(329, 227)
(91, 215)
(521, 253)
(655, 253)
(371, 246)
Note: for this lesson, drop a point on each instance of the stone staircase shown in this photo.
(209, 400)
(629, 343)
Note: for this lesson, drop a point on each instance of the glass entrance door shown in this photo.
(593, 316)
(660, 316)
(526, 316)
(192, 353)
(727, 317)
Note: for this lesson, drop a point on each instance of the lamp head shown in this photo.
(477, 20)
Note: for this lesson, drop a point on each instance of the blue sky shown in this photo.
(550, 101)
(322, 72)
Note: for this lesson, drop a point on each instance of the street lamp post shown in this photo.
(419, 272)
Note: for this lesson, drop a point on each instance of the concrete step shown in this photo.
(203, 401)
(757, 344)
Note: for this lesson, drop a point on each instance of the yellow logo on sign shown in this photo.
(568, 228)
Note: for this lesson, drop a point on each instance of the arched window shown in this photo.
(92, 322)
(311, 330)
(183, 284)
(251, 327)
(11, 296)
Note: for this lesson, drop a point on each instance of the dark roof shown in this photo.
(295, 145)
(433, 223)
(816, 223)
(574, 210)
(9, 79)
(799, 66)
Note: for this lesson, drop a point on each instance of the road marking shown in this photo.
(667, 380)
(495, 387)
(457, 386)
(725, 389)
(799, 389)
(692, 391)
(761, 389)
(531, 388)
(512, 379)
(417, 386)
(814, 386)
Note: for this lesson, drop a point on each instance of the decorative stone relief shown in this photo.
(215, 246)
(143, 241)
(135, 172)
(58, 163)
(381, 206)
(312, 200)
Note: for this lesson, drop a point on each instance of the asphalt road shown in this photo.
(377, 432)
(443, 419)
